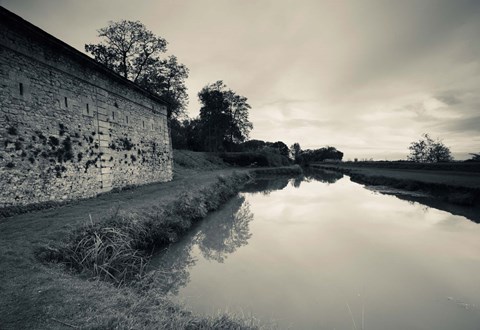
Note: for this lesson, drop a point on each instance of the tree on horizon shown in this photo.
(428, 150)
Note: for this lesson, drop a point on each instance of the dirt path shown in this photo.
(51, 223)
(31, 292)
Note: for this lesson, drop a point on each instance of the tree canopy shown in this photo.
(428, 150)
(475, 157)
(319, 155)
(223, 117)
(134, 52)
(258, 145)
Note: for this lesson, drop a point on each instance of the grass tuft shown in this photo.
(118, 249)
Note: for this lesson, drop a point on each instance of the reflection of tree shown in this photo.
(172, 267)
(321, 175)
(226, 230)
(298, 181)
(266, 185)
(220, 234)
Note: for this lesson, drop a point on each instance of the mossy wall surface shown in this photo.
(70, 129)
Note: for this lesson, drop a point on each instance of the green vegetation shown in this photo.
(427, 150)
(134, 52)
(451, 182)
(284, 170)
(475, 158)
(223, 117)
(255, 159)
(308, 156)
(186, 159)
(118, 249)
(449, 166)
(113, 246)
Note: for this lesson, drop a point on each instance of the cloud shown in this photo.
(461, 125)
(365, 76)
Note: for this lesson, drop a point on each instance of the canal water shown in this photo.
(322, 252)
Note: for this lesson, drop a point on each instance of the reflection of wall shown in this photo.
(70, 128)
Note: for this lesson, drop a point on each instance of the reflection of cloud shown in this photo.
(266, 185)
(172, 268)
(220, 234)
(225, 231)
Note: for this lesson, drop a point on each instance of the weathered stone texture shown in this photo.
(70, 129)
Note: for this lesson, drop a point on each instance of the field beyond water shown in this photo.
(57, 268)
(456, 185)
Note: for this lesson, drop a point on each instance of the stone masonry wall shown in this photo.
(69, 130)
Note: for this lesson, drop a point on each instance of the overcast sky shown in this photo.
(367, 77)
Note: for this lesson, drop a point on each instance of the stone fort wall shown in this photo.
(69, 127)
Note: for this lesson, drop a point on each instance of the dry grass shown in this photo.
(45, 296)
(118, 249)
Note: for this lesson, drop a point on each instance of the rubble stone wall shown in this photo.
(69, 128)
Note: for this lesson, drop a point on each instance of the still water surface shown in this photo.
(326, 253)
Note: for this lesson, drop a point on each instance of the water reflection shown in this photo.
(470, 212)
(221, 234)
(324, 176)
(225, 231)
(170, 272)
(266, 185)
(321, 244)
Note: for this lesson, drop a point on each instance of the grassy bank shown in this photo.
(457, 187)
(470, 167)
(254, 159)
(82, 265)
(273, 171)
(186, 163)
(97, 249)
(119, 248)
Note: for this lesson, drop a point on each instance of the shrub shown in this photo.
(117, 249)
(260, 159)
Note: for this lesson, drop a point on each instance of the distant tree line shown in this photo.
(475, 157)
(308, 156)
(134, 52)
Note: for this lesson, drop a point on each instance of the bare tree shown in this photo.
(132, 51)
(127, 48)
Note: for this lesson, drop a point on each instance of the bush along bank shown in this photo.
(284, 170)
(463, 196)
(118, 249)
(456, 195)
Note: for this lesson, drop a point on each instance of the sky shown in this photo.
(367, 77)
